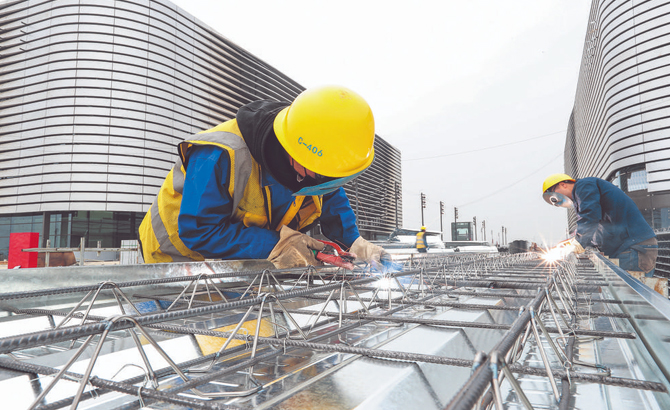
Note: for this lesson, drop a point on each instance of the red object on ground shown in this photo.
(19, 241)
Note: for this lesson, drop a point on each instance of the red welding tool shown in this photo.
(332, 254)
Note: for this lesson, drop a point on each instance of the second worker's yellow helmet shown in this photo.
(555, 179)
(329, 130)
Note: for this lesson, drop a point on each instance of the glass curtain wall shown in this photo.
(17, 223)
(65, 229)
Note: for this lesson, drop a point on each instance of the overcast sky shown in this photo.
(476, 94)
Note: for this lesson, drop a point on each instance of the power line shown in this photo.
(514, 183)
(485, 148)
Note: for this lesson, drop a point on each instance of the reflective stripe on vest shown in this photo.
(160, 231)
(240, 159)
(173, 247)
(420, 240)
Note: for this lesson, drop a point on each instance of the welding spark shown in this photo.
(558, 253)
(384, 283)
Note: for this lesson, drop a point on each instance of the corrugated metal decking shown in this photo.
(443, 332)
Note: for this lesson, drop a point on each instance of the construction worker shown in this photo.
(607, 219)
(422, 241)
(248, 187)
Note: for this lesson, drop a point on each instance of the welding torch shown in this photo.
(573, 243)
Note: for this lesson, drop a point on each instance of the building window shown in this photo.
(630, 180)
(14, 224)
(637, 181)
(65, 229)
(661, 219)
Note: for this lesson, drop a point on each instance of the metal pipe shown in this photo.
(493, 364)
(473, 306)
(60, 374)
(543, 354)
(473, 389)
(108, 385)
(10, 344)
(515, 385)
(87, 373)
(565, 381)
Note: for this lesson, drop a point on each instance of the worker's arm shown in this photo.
(205, 216)
(587, 196)
(338, 221)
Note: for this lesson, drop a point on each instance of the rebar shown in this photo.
(430, 279)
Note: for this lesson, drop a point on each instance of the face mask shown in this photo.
(556, 199)
(326, 187)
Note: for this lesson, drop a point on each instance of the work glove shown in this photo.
(370, 253)
(572, 242)
(294, 250)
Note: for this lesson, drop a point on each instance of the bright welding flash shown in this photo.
(384, 283)
(557, 253)
(552, 255)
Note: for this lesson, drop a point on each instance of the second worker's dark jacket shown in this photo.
(607, 218)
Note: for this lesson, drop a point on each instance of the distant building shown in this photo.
(376, 197)
(462, 231)
(96, 95)
(619, 129)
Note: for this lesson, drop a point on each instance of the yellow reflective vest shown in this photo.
(159, 232)
(421, 240)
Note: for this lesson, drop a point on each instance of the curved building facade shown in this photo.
(95, 96)
(619, 129)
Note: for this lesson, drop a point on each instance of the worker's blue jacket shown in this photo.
(206, 226)
(607, 218)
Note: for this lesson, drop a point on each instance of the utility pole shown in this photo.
(455, 214)
(423, 206)
(474, 221)
(484, 229)
(441, 225)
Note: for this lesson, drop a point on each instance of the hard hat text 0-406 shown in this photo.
(312, 149)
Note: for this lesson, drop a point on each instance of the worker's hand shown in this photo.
(294, 250)
(573, 243)
(565, 242)
(370, 253)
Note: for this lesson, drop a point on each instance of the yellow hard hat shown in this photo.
(329, 130)
(555, 179)
(423, 228)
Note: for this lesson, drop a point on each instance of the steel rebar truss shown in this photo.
(427, 281)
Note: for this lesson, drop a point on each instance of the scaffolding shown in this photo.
(440, 331)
